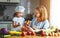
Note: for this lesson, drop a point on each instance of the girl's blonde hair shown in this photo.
(43, 12)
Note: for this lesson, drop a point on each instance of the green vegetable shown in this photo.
(7, 36)
(37, 32)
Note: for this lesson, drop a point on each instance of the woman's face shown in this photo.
(36, 13)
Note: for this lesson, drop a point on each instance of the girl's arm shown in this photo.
(34, 27)
(33, 23)
(15, 25)
(43, 26)
(46, 25)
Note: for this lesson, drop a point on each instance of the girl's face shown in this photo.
(37, 14)
(19, 14)
(41, 13)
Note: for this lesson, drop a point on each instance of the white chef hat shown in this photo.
(19, 9)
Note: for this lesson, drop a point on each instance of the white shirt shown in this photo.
(18, 20)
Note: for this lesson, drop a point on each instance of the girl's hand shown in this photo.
(34, 27)
(24, 28)
(14, 24)
(28, 27)
(18, 24)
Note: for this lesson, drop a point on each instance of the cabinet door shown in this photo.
(15, 1)
(3, 26)
(3, 0)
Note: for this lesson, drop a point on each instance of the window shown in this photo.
(55, 13)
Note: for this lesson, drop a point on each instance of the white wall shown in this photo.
(34, 4)
(55, 13)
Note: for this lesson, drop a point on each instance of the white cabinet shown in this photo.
(6, 25)
(3, 0)
(16, 1)
(10, 1)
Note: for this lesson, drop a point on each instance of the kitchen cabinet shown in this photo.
(6, 24)
(16, 1)
(3, 0)
(10, 1)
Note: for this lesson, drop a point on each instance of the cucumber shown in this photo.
(37, 32)
(15, 35)
(7, 36)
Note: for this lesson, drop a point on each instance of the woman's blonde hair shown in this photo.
(43, 12)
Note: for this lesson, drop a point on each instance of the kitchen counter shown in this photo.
(35, 37)
(5, 22)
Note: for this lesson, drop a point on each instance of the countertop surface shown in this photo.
(5, 22)
(35, 37)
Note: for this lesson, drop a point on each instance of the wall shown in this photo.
(46, 3)
(34, 4)
(9, 11)
(24, 3)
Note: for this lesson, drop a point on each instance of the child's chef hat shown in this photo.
(19, 9)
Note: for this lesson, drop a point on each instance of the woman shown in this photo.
(40, 20)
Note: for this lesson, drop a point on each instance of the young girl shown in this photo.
(40, 20)
(18, 20)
